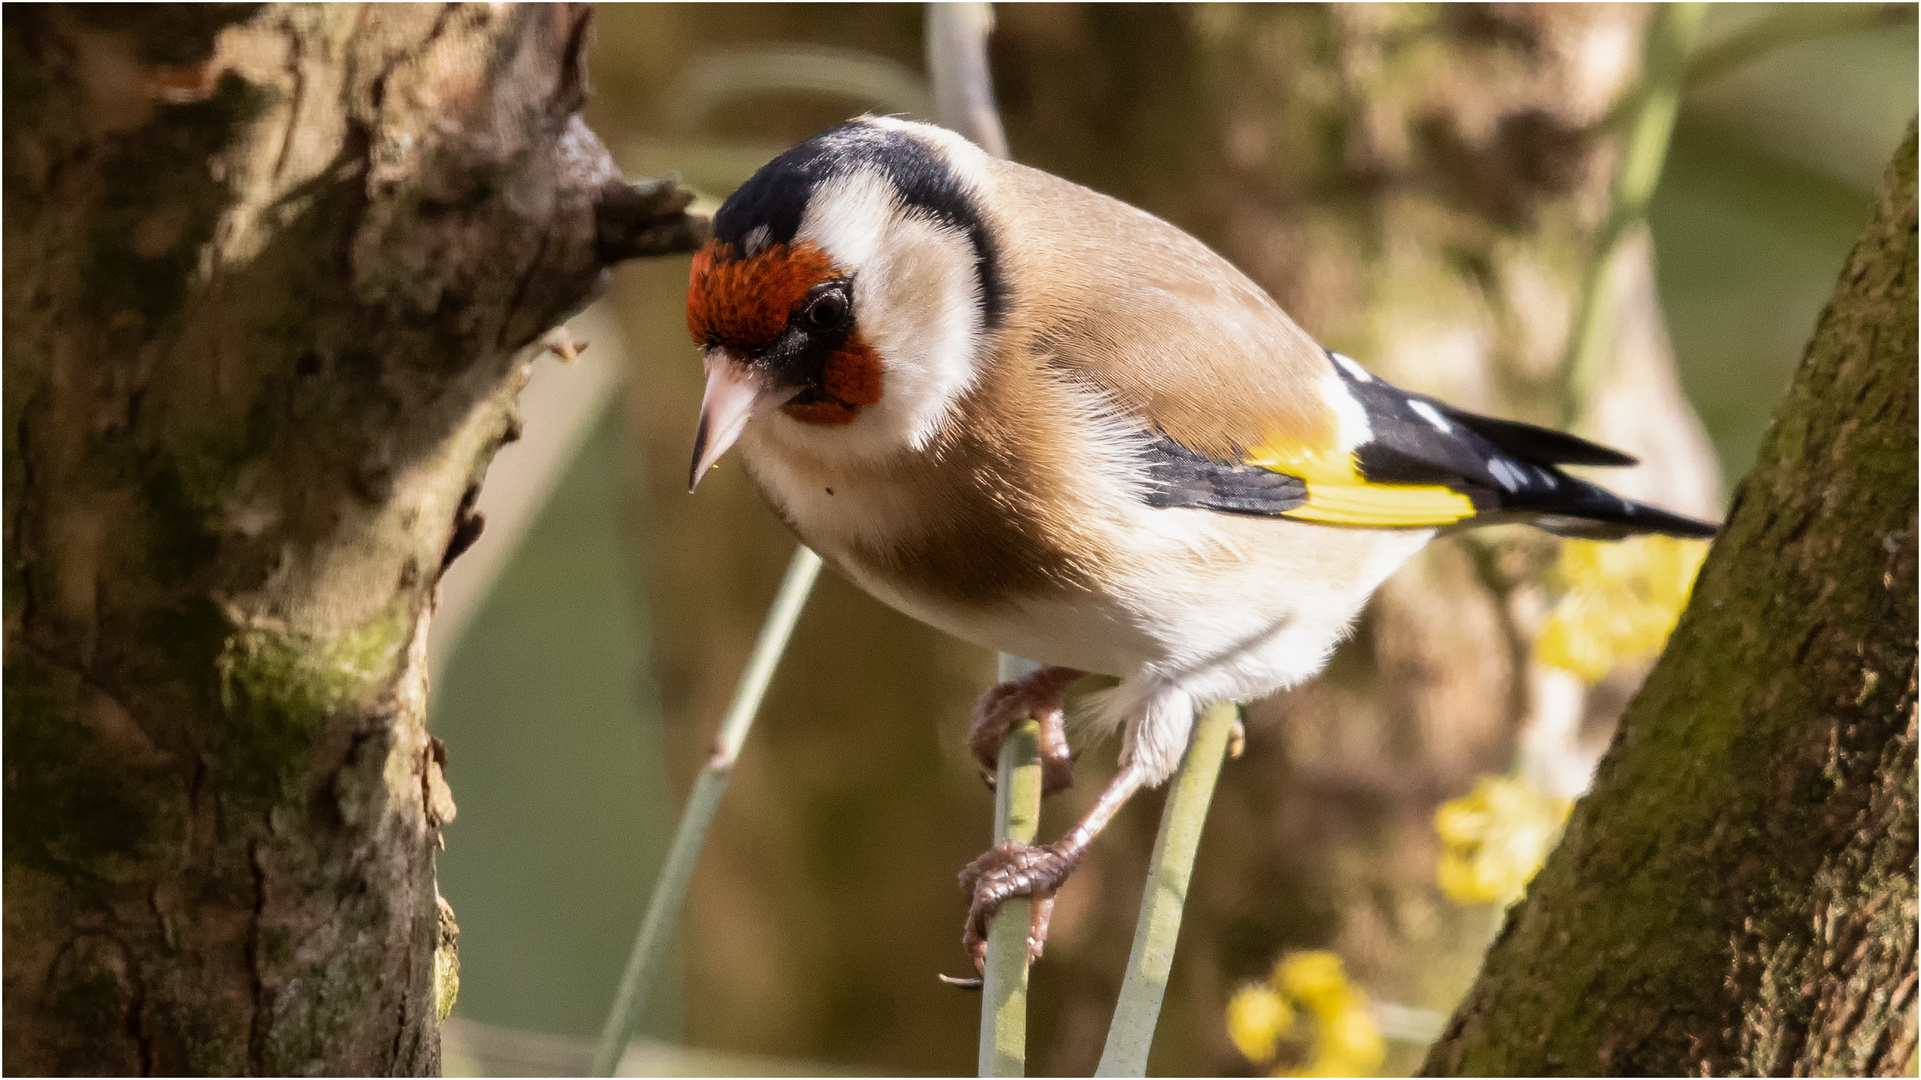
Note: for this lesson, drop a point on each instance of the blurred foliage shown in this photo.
(1495, 838)
(554, 755)
(832, 848)
(1308, 1018)
(1616, 601)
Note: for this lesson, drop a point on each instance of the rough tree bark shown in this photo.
(274, 276)
(1737, 893)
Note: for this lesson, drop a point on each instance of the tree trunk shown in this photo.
(274, 275)
(1737, 894)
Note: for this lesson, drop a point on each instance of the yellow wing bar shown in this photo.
(1385, 505)
(1337, 493)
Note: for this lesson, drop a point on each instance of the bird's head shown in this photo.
(846, 293)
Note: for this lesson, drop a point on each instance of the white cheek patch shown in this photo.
(848, 218)
(917, 301)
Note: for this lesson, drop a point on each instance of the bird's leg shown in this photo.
(1013, 869)
(1038, 695)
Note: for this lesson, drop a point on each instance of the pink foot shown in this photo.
(1037, 695)
(1013, 869)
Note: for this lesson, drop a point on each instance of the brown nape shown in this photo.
(1164, 328)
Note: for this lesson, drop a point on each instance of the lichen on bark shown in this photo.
(1737, 893)
(275, 274)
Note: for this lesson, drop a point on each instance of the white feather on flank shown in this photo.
(1247, 630)
(1209, 607)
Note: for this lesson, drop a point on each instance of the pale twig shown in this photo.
(956, 41)
(663, 908)
(1131, 1033)
(720, 78)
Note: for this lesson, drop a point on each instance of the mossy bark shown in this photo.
(1737, 893)
(273, 277)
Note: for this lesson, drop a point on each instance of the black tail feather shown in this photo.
(1537, 444)
(1591, 512)
(1510, 470)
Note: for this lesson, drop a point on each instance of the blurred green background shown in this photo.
(573, 716)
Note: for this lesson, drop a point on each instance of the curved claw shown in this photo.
(1001, 707)
(1008, 870)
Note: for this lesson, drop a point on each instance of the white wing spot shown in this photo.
(1546, 477)
(1505, 474)
(1432, 415)
(1354, 370)
(1348, 411)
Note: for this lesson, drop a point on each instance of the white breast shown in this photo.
(1250, 604)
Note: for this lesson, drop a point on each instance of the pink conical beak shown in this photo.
(735, 395)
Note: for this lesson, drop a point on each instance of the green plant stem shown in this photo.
(1670, 35)
(1017, 815)
(1131, 1033)
(663, 908)
(1787, 25)
(963, 89)
(1791, 24)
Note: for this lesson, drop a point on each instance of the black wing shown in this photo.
(1505, 469)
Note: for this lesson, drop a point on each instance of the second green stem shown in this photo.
(1670, 35)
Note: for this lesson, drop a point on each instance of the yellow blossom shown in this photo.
(1617, 601)
(1315, 978)
(1350, 1042)
(1495, 837)
(1257, 1017)
(1339, 1037)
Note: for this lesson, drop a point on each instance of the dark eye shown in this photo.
(828, 310)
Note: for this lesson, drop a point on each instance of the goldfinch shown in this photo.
(1056, 426)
